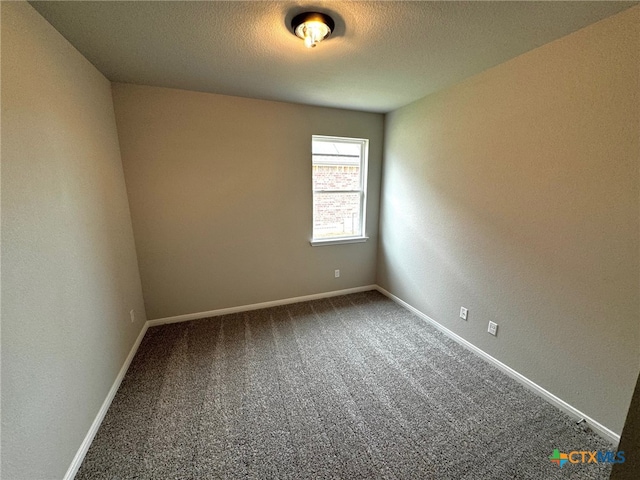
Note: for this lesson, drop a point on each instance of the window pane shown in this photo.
(336, 173)
(339, 167)
(336, 214)
(332, 147)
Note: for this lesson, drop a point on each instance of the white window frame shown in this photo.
(364, 163)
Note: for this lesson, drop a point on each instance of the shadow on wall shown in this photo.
(630, 442)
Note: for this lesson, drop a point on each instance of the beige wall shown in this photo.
(516, 195)
(69, 270)
(220, 195)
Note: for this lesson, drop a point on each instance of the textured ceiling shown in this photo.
(381, 56)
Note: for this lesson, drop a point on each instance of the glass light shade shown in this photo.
(312, 32)
(312, 27)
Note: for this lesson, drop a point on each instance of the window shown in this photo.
(339, 167)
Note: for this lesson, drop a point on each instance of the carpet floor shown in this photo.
(350, 387)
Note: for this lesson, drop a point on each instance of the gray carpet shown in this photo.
(351, 387)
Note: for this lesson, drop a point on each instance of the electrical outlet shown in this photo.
(133, 315)
(463, 313)
(493, 328)
(337, 273)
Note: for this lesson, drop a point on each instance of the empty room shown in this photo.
(309, 240)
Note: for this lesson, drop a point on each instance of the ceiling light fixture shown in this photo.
(312, 27)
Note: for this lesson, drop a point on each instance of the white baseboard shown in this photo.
(86, 443)
(597, 427)
(257, 306)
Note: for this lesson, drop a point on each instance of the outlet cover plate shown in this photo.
(493, 328)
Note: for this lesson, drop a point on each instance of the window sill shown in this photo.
(338, 241)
